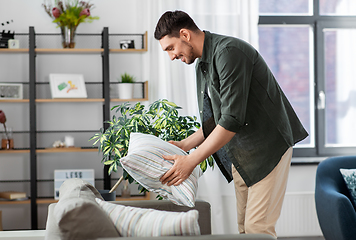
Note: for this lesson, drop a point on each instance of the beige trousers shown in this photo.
(259, 206)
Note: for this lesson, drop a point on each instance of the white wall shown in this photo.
(121, 16)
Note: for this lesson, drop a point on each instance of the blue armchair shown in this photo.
(335, 210)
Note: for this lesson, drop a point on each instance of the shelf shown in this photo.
(70, 100)
(13, 50)
(103, 51)
(66, 149)
(46, 200)
(69, 50)
(128, 100)
(15, 100)
(133, 50)
(127, 50)
(27, 201)
(14, 151)
(52, 200)
(119, 199)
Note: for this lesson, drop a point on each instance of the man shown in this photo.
(248, 124)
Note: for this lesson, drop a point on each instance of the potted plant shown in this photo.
(160, 119)
(68, 15)
(126, 86)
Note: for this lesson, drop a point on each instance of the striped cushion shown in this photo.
(145, 222)
(144, 162)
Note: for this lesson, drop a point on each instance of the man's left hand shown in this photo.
(180, 171)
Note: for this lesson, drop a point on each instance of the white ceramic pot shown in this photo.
(126, 90)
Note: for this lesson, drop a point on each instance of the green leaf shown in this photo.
(109, 162)
(203, 165)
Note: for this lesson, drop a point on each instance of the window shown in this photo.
(309, 46)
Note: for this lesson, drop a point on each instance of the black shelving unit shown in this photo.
(33, 149)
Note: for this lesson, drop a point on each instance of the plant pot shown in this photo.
(107, 196)
(68, 36)
(125, 90)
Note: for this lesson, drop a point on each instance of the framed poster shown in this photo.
(67, 86)
(61, 175)
(11, 91)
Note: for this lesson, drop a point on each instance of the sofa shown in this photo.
(81, 213)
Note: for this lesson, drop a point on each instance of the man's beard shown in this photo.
(191, 58)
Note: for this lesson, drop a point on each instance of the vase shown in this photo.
(68, 36)
(7, 142)
(125, 191)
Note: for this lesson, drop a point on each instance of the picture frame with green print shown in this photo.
(67, 86)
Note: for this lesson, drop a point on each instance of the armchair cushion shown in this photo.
(349, 176)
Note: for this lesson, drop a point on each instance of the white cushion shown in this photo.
(145, 222)
(144, 162)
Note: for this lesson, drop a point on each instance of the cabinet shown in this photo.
(37, 100)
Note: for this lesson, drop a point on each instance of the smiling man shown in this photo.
(248, 125)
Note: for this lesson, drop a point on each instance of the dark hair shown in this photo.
(171, 23)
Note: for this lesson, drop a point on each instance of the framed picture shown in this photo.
(11, 91)
(62, 175)
(67, 86)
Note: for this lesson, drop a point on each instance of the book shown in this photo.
(12, 195)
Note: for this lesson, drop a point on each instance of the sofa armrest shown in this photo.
(203, 208)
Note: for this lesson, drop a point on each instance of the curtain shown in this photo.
(175, 81)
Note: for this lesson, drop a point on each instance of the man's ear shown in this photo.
(185, 34)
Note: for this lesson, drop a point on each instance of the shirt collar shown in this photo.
(207, 49)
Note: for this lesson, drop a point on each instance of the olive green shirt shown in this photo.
(245, 98)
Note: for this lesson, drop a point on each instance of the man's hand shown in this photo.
(184, 165)
(180, 171)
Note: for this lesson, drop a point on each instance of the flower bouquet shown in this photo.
(68, 15)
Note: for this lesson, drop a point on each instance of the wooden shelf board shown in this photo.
(69, 50)
(27, 201)
(127, 50)
(128, 100)
(15, 100)
(15, 151)
(66, 149)
(46, 200)
(52, 200)
(13, 50)
(70, 100)
(136, 198)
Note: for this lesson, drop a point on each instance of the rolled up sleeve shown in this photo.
(235, 69)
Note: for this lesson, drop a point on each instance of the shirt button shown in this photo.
(246, 124)
(201, 111)
(202, 92)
